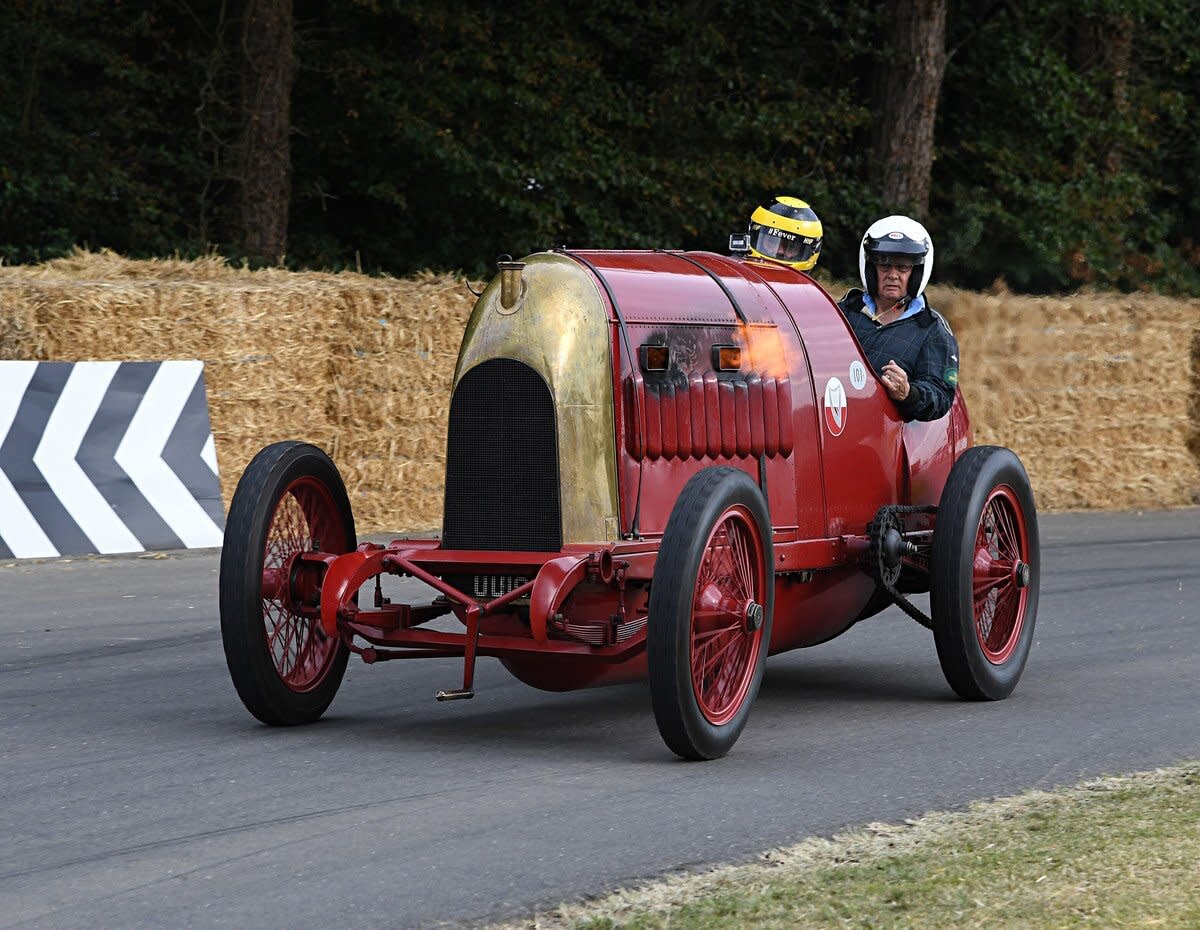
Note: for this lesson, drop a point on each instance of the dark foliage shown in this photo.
(442, 134)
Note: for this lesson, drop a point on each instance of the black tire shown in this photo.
(720, 515)
(290, 499)
(985, 574)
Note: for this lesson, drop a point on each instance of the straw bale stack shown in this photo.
(1099, 394)
(392, 402)
(358, 365)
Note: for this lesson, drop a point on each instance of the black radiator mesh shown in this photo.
(502, 462)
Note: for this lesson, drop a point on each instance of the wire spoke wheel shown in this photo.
(724, 645)
(985, 573)
(301, 652)
(1001, 554)
(711, 601)
(289, 513)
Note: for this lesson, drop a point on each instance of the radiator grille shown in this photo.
(502, 487)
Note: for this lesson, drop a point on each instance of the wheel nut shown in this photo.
(1022, 574)
(754, 617)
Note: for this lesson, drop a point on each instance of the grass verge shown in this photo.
(1112, 852)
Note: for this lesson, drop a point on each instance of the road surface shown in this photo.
(135, 790)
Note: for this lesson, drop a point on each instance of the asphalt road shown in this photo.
(135, 791)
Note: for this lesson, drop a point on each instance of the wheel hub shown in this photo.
(1022, 574)
(754, 616)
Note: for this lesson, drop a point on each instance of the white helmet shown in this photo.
(899, 239)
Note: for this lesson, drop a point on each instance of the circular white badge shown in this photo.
(858, 375)
(835, 406)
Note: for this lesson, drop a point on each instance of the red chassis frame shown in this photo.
(395, 630)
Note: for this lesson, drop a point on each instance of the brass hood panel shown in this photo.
(559, 327)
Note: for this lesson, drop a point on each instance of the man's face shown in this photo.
(892, 279)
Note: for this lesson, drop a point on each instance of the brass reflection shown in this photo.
(562, 332)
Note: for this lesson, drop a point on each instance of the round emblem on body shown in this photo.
(835, 406)
(858, 375)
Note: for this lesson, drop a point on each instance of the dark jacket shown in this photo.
(921, 344)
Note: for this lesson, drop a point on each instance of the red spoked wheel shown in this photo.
(727, 615)
(301, 652)
(985, 573)
(289, 514)
(711, 603)
(1001, 576)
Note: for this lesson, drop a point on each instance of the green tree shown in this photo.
(1054, 169)
(467, 131)
(441, 134)
(93, 104)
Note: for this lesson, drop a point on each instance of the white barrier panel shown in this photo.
(103, 457)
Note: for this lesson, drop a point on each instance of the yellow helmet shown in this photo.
(787, 231)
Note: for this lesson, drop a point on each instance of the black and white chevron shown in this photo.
(99, 457)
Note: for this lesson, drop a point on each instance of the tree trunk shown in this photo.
(268, 68)
(908, 84)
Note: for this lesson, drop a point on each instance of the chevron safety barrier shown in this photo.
(106, 457)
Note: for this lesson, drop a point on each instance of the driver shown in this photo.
(786, 230)
(907, 342)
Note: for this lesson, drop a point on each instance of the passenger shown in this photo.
(906, 341)
(787, 231)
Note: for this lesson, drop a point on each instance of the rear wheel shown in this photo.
(711, 603)
(985, 574)
(289, 504)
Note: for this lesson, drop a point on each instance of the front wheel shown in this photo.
(711, 604)
(985, 574)
(290, 505)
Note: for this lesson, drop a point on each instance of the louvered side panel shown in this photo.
(741, 417)
(683, 421)
(770, 392)
(653, 423)
(708, 416)
(666, 408)
(785, 416)
(757, 423)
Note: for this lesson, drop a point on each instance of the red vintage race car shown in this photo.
(661, 465)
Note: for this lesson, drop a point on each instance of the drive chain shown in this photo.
(889, 515)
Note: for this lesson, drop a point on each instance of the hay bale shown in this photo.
(1096, 392)
(358, 365)
(1099, 394)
